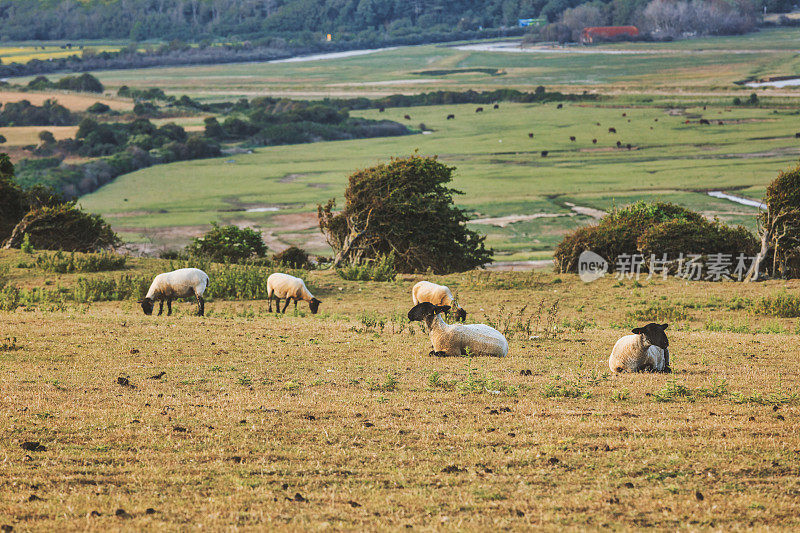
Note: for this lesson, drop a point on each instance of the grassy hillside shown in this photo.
(500, 170)
(288, 422)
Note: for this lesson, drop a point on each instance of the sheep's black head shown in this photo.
(425, 309)
(314, 305)
(654, 333)
(147, 305)
(461, 315)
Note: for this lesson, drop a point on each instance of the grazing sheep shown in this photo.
(407, 117)
(181, 283)
(479, 110)
(458, 339)
(647, 350)
(285, 286)
(594, 141)
(544, 153)
(530, 135)
(496, 106)
(559, 106)
(612, 130)
(572, 138)
(425, 291)
(451, 117)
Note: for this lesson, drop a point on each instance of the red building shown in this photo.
(608, 33)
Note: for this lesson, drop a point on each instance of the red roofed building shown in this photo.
(608, 33)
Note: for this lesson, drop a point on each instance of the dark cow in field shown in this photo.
(407, 117)
(624, 114)
(619, 144)
(594, 141)
(720, 123)
(628, 146)
(496, 106)
(797, 135)
(704, 121)
(612, 130)
(655, 120)
(544, 153)
(530, 135)
(559, 106)
(479, 110)
(381, 109)
(451, 117)
(572, 138)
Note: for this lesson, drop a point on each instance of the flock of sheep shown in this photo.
(646, 349)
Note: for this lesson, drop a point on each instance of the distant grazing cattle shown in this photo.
(619, 144)
(496, 106)
(598, 123)
(797, 135)
(704, 108)
(530, 135)
(407, 117)
(479, 110)
(629, 120)
(720, 123)
(544, 153)
(629, 146)
(704, 121)
(559, 106)
(612, 130)
(655, 120)
(594, 141)
(381, 109)
(450, 117)
(687, 122)
(624, 114)
(572, 138)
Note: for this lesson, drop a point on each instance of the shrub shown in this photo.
(64, 227)
(98, 108)
(293, 256)
(62, 263)
(228, 243)
(381, 269)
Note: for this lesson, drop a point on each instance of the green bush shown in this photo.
(781, 305)
(228, 244)
(62, 263)
(381, 269)
(698, 237)
(293, 256)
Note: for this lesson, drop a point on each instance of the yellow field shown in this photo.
(72, 101)
(247, 420)
(24, 54)
(25, 135)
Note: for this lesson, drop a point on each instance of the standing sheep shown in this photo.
(644, 351)
(181, 283)
(425, 291)
(285, 286)
(458, 339)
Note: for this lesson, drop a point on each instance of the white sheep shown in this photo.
(647, 350)
(285, 286)
(425, 291)
(181, 283)
(458, 339)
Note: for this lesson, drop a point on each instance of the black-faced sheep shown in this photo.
(439, 295)
(285, 286)
(458, 339)
(181, 283)
(647, 350)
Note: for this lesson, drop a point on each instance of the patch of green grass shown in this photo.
(781, 305)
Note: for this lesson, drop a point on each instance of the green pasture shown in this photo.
(500, 169)
(701, 66)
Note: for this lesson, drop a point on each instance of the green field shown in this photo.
(500, 170)
(708, 66)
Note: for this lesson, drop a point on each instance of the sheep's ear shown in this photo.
(638, 331)
(664, 326)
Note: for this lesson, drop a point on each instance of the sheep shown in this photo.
(644, 351)
(181, 283)
(285, 286)
(425, 291)
(458, 339)
(451, 117)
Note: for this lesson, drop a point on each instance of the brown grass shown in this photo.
(278, 406)
(72, 101)
(25, 135)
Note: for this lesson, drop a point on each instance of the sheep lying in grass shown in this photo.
(285, 286)
(458, 339)
(425, 291)
(181, 283)
(644, 351)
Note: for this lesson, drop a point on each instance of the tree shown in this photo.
(47, 137)
(779, 225)
(403, 207)
(228, 243)
(578, 18)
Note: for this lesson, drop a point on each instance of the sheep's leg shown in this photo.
(201, 309)
(169, 306)
(295, 306)
(269, 301)
(287, 305)
(666, 369)
(160, 307)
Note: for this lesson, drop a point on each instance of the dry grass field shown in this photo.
(72, 101)
(341, 419)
